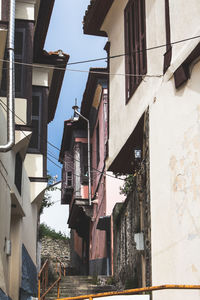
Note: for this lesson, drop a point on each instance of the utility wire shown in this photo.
(100, 172)
(109, 57)
(53, 162)
(48, 153)
(82, 71)
(27, 137)
(136, 51)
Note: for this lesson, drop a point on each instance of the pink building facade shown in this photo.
(91, 225)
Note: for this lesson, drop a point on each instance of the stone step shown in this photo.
(71, 286)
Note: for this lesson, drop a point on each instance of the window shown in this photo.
(84, 163)
(18, 172)
(97, 145)
(168, 53)
(19, 55)
(34, 144)
(135, 44)
(69, 178)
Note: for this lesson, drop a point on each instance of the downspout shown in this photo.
(10, 82)
(75, 107)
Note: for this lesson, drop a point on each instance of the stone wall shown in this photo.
(126, 259)
(132, 267)
(53, 248)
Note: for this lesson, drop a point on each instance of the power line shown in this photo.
(109, 57)
(29, 138)
(136, 51)
(52, 162)
(100, 172)
(81, 71)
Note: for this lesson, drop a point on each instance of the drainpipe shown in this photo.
(10, 82)
(89, 167)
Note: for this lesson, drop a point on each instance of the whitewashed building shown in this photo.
(23, 175)
(156, 44)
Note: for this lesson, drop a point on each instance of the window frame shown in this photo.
(18, 172)
(69, 178)
(135, 41)
(97, 144)
(39, 119)
(168, 53)
(20, 58)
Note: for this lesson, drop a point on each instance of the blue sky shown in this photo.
(65, 32)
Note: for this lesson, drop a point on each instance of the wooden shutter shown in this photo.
(135, 45)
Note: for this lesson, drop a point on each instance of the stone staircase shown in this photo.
(71, 286)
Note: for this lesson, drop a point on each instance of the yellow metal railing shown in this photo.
(60, 267)
(43, 278)
(43, 288)
(134, 291)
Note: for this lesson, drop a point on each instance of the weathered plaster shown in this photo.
(24, 11)
(34, 165)
(175, 182)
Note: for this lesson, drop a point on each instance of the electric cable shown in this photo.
(107, 58)
(100, 172)
(136, 51)
(82, 71)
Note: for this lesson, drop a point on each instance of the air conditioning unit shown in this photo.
(139, 240)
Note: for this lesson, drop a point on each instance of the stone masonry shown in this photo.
(54, 248)
(132, 266)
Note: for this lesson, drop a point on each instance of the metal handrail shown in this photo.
(62, 269)
(43, 279)
(43, 267)
(133, 291)
(51, 287)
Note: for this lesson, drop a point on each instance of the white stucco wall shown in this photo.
(174, 117)
(21, 229)
(34, 165)
(175, 182)
(25, 10)
(133, 110)
(17, 223)
(3, 36)
(113, 195)
(20, 110)
(42, 76)
(5, 210)
(29, 223)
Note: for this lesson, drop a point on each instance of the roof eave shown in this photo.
(95, 15)
(55, 88)
(42, 25)
(69, 126)
(95, 74)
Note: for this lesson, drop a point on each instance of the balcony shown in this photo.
(67, 194)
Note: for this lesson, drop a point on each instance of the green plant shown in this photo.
(110, 280)
(131, 283)
(128, 185)
(46, 202)
(46, 231)
(94, 279)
